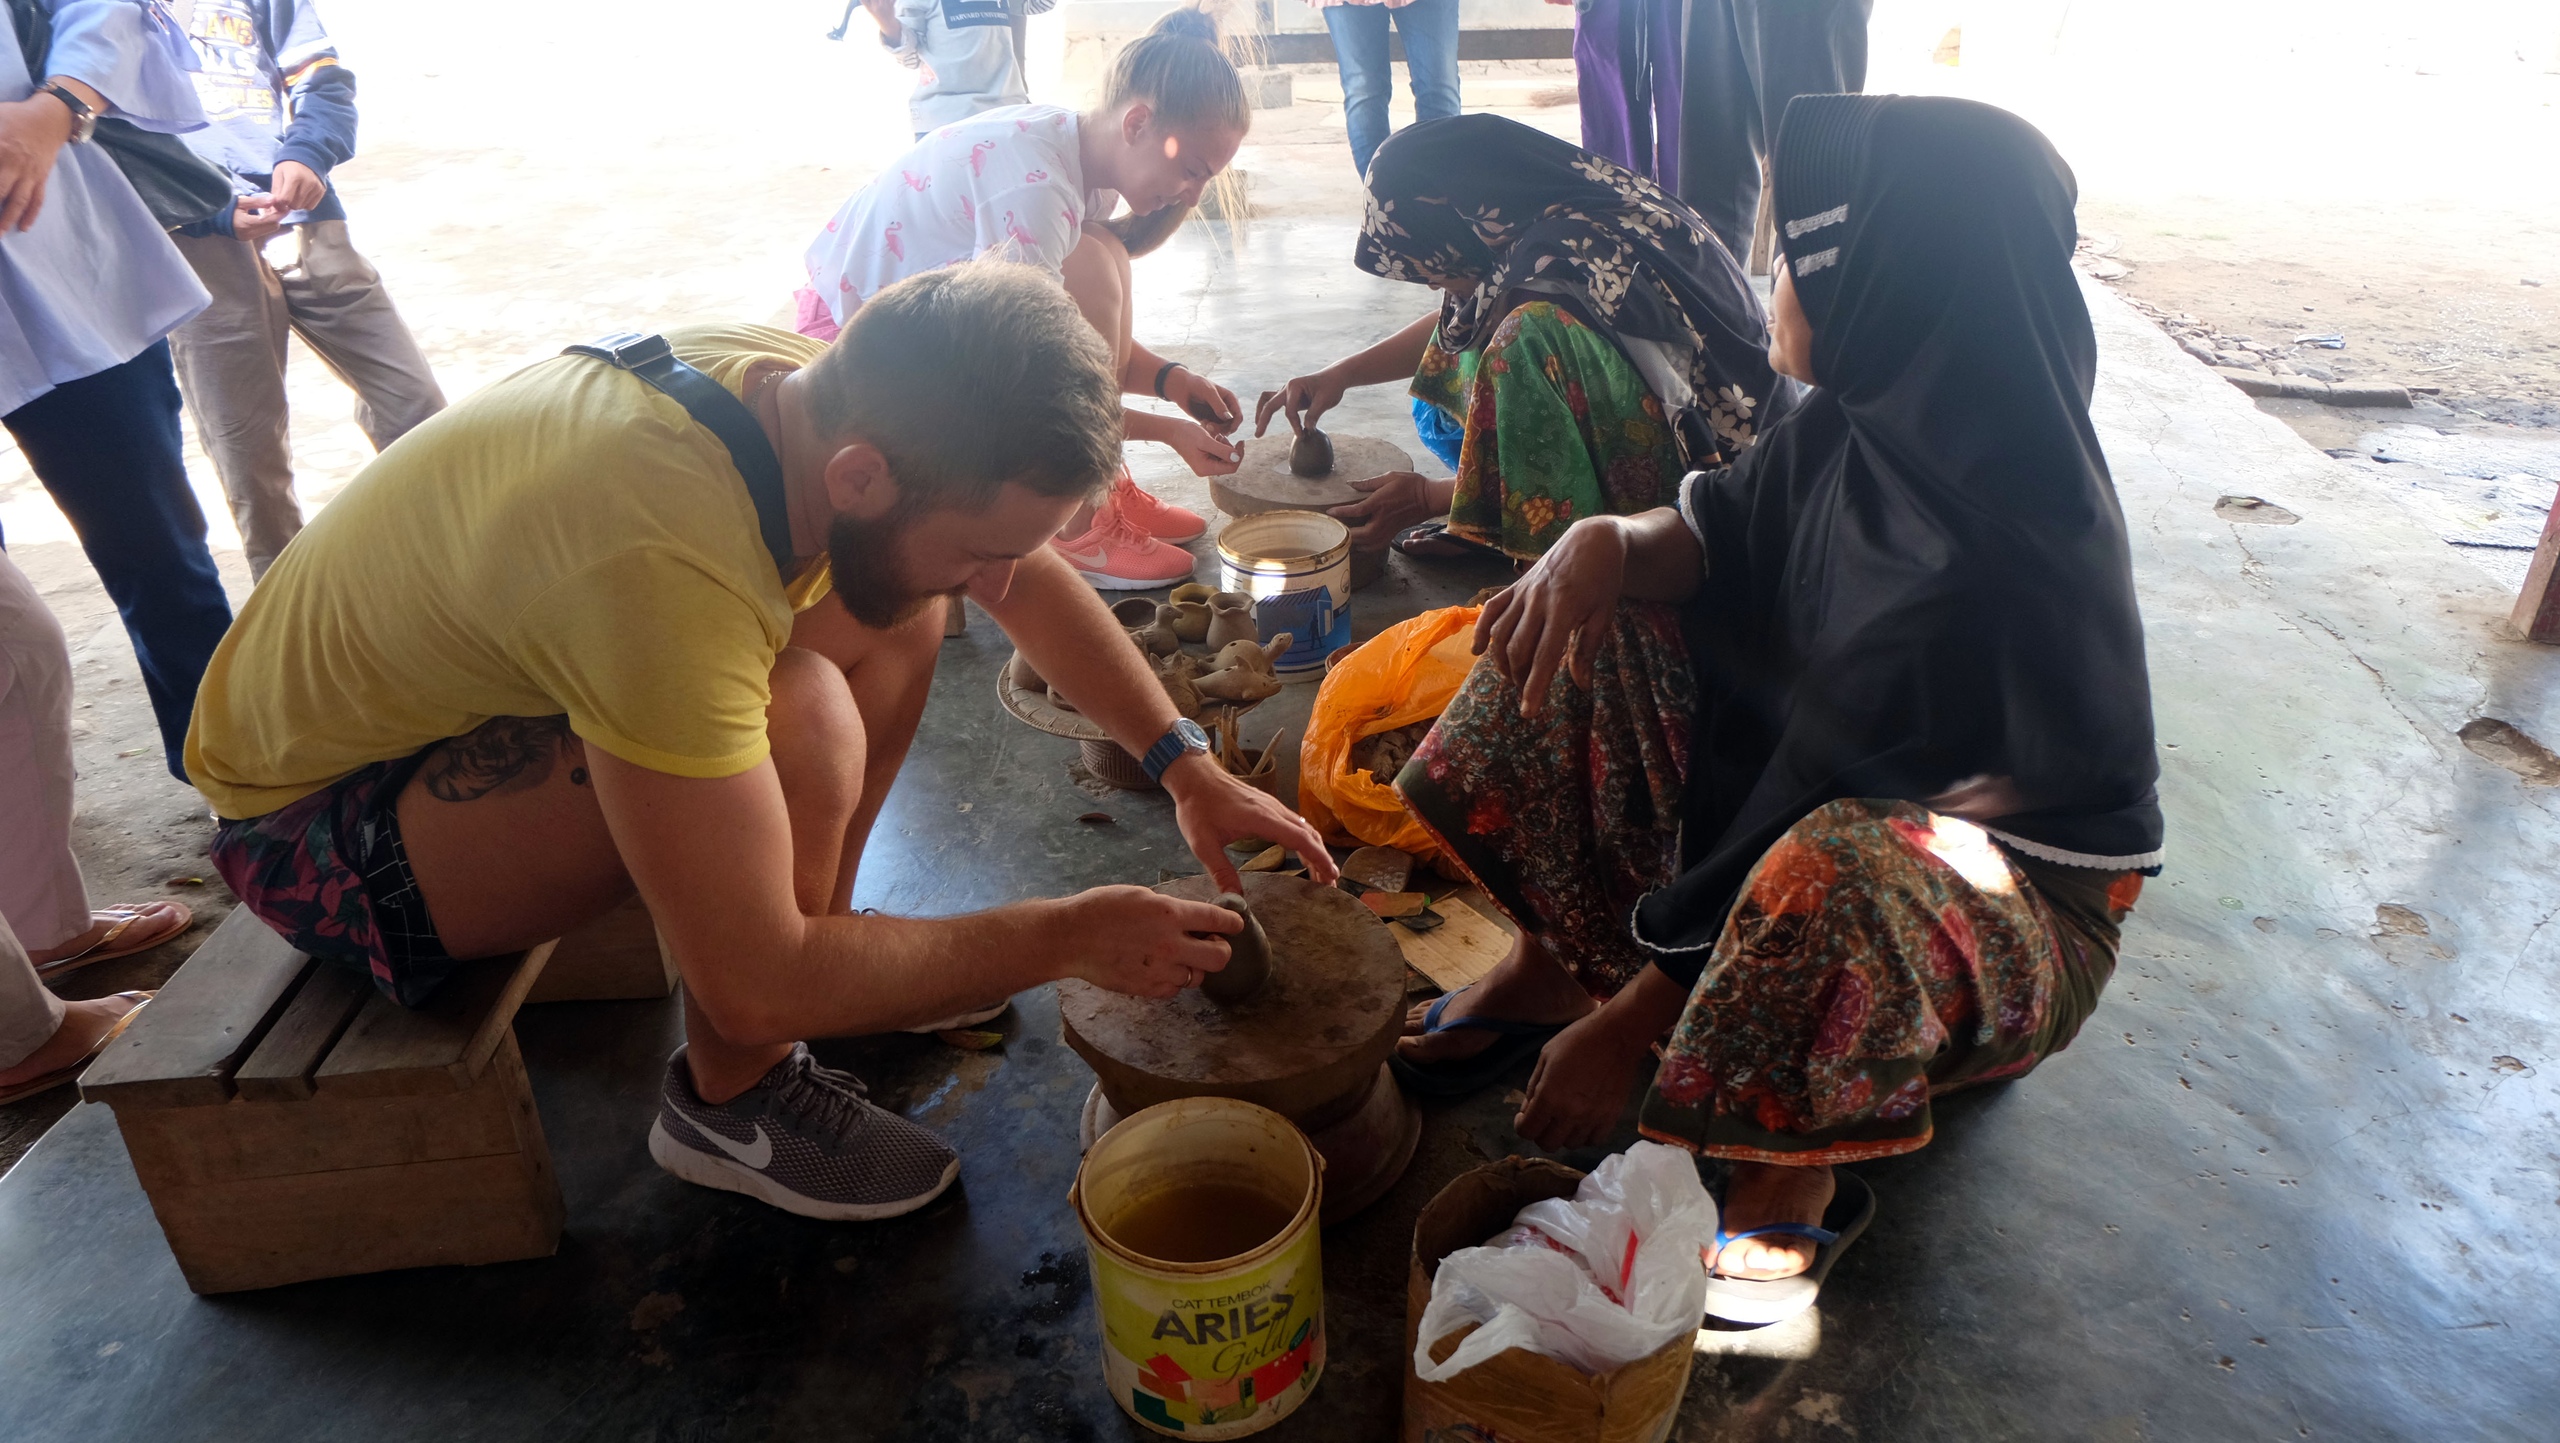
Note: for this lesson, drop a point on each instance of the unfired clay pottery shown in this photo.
(1231, 619)
(1260, 656)
(1248, 960)
(1191, 620)
(1239, 683)
(1134, 612)
(1199, 591)
(1161, 636)
(1311, 455)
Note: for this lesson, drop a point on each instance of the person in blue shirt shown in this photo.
(282, 114)
(89, 289)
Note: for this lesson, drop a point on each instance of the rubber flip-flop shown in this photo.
(1460, 1076)
(1774, 1300)
(60, 1075)
(119, 940)
(1434, 538)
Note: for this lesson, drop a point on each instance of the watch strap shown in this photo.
(1172, 747)
(84, 116)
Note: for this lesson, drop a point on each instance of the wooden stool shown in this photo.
(290, 1122)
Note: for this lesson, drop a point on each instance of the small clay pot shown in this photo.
(1190, 591)
(1231, 619)
(1162, 636)
(1311, 454)
(1134, 612)
(1191, 620)
(1263, 657)
(1248, 959)
(1024, 678)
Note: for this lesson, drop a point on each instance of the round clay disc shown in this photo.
(1305, 1046)
(1264, 482)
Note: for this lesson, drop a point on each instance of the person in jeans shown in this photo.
(90, 288)
(1743, 61)
(1430, 31)
(282, 112)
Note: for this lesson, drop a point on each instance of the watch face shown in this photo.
(1192, 736)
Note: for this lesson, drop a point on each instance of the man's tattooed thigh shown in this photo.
(503, 754)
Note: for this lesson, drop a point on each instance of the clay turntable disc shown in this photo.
(1263, 481)
(1311, 1046)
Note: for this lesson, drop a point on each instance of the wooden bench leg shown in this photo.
(2537, 613)
(257, 1194)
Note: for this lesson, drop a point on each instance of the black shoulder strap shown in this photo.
(717, 411)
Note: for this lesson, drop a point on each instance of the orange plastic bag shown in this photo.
(1405, 674)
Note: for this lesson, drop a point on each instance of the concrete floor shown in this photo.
(2297, 1179)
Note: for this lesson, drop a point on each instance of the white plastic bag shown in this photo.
(1598, 1281)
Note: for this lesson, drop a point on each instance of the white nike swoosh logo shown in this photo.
(757, 1154)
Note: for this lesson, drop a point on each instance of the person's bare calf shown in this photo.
(1759, 1194)
(1529, 985)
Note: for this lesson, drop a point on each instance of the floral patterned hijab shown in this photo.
(1523, 214)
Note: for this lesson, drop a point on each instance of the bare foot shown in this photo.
(151, 924)
(1760, 1194)
(83, 1024)
(1527, 986)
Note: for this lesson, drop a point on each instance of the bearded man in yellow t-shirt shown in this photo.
(539, 654)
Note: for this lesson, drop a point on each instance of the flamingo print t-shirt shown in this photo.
(1006, 184)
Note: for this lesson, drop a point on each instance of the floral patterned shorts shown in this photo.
(331, 875)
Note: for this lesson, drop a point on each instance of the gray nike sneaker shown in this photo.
(804, 1139)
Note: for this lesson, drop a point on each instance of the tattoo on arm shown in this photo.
(502, 754)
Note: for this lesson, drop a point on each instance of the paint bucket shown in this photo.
(1197, 1346)
(1296, 565)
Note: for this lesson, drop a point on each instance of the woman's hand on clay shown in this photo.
(1204, 451)
(1557, 611)
(1213, 807)
(1389, 504)
(1141, 942)
(1212, 405)
(1580, 1085)
(1301, 399)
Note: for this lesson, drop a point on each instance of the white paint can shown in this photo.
(1296, 565)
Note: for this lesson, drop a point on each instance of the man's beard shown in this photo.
(869, 578)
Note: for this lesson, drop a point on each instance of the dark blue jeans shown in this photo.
(1430, 32)
(107, 447)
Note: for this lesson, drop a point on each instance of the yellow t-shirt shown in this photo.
(567, 540)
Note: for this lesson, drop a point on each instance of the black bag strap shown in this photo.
(713, 408)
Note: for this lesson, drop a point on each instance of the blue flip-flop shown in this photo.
(1774, 1300)
(1460, 1076)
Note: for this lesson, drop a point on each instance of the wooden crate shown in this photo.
(289, 1122)
(615, 957)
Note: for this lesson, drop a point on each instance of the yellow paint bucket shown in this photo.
(1200, 1218)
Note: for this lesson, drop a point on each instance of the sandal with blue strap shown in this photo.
(1460, 1076)
(1760, 1301)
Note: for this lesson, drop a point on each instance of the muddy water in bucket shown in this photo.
(1200, 1219)
(1296, 565)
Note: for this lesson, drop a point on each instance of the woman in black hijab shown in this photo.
(1893, 755)
(1593, 342)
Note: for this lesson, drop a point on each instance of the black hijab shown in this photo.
(1920, 575)
(1519, 212)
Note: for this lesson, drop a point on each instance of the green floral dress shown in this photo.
(1558, 426)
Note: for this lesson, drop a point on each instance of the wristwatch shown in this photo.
(1184, 738)
(84, 120)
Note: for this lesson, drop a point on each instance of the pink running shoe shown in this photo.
(1114, 555)
(1154, 515)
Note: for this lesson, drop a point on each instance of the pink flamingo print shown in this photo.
(831, 227)
(915, 182)
(1073, 220)
(1035, 177)
(1020, 236)
(889, 241)
(978, 156)
(968, 212)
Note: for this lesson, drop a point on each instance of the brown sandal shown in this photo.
(60, 1075)
(122, 938)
